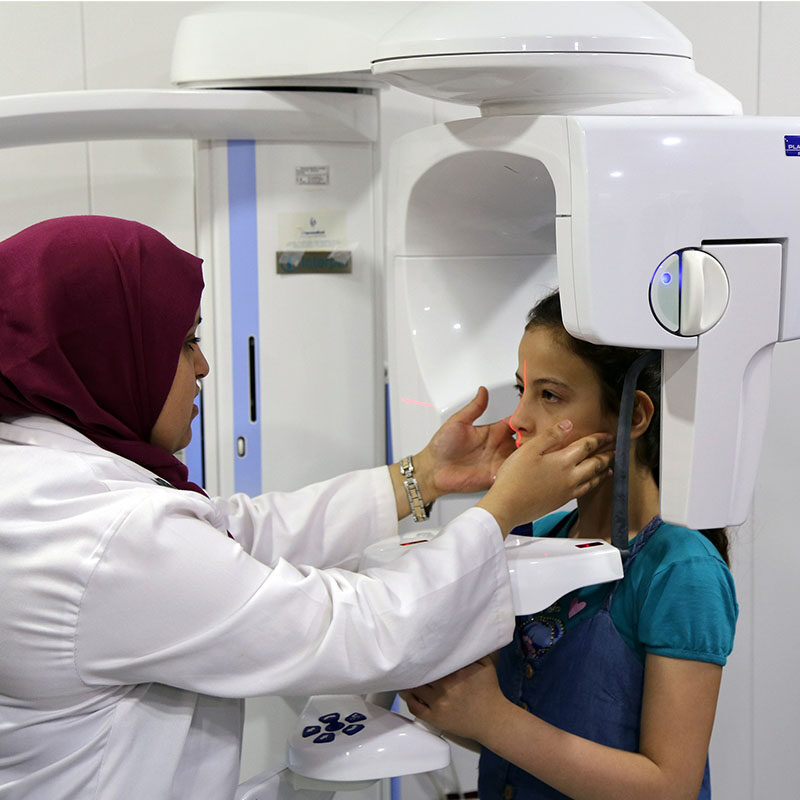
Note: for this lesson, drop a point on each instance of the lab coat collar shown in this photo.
(42, 431)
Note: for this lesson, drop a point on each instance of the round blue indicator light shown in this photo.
(666, 278)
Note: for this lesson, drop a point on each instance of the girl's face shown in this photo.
(554, 385)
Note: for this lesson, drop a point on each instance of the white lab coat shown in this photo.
(131, 624)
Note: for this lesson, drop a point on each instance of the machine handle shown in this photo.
(715, 398)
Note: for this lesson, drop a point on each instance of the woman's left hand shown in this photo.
(460, 702)
(463, 457)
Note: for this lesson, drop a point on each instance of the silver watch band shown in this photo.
(418, 509)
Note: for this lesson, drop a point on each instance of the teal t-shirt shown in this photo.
(677, 598)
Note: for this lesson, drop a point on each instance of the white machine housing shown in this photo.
(541, 569)
(549, 58)
(592, 202)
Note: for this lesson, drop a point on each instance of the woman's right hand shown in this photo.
(543, 474)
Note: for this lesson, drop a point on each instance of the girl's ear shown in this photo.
(642, 414)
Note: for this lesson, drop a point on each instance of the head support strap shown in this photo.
(619, 508)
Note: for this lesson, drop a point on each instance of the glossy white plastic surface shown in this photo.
(186, 114)
(689, 292)
(715, 399)
(665, 293)
(454, 28)
(282, 44)
(561, 83)
(544, 569)
(541, 569)
(704, 292)
(645, 187)
(548, 58)
(345, 738)
(385, 551)
(282, 784)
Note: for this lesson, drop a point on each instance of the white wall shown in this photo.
(748, 47)
(63, 46)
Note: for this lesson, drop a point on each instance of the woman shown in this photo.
(134, 610)
(610, 693)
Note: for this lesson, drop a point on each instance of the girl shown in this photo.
(610, 693)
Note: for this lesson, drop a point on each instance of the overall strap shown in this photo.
(641, 541)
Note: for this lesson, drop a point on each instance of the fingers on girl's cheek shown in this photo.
(571, 437)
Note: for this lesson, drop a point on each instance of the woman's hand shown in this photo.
(457, 703)
(462, 456)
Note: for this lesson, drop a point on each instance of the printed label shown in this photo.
(312, 230)
(313, 241)
(312, 176)
(293, 262)
(792, 145)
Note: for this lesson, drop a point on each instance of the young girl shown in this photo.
(610, 693)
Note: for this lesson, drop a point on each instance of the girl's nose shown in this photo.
(521, 423)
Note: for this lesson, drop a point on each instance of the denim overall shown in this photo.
(590, 685)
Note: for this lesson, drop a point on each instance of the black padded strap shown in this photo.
(619, 507)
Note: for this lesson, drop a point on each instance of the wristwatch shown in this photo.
(419, 510)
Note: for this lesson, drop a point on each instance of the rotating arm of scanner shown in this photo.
(715, 398)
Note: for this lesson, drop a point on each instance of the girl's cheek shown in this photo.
(578, 431)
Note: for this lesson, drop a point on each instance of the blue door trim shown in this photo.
(243, 227)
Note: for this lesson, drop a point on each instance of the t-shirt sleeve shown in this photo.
(689, 611)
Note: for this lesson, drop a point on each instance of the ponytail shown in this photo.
(719, 538)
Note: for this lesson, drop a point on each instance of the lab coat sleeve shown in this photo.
(326, 524)
(173, 601)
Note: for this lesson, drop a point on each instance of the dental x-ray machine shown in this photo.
(605, 165)
(602, 163)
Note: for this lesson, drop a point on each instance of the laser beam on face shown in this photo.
(524, 389)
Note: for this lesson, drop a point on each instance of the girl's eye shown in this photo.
(520, 389)
(549, 397)
(192, 341)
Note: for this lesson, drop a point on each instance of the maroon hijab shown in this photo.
(93, 314)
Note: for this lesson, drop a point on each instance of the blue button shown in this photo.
(665, 293)
(355, 717)
(334, 726)
(333, 717)
(310, 730)
(351, 729)
(324, 738)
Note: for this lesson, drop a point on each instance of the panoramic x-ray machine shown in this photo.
(602, 163)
